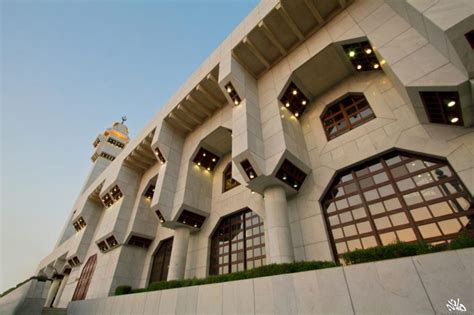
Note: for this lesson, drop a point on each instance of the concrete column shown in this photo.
(60, 291)
(52, 292)
(178, 254)
(278, 226)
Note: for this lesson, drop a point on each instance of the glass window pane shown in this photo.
(350, 188)
(406, 235)
(392, 204)
(429, 230)
(423, 179)
(420, 214)
(393, 160)
(375, 167)
(371, 195)
(431, 193)
(405, 184)
(358, 213)
(331, 207)
(388, 238)
(376, 208)
(350, 230)
(399, 219)
(386, 190)
(380, 178)
(341, 247)
(440, 208)
(366, 182)
(345, 217)
(354, 200)
(369, 242)
(382, 223)
(450, 226)
(341, 204)
(354, 244)
(337, 233)
(415, 166)
(412, 198)
(399, 171)
(333, 220)
(364, 227)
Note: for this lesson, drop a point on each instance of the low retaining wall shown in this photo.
(27, 299)
(412, 285)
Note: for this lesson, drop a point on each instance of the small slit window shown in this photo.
(345, 114)
(228, 181)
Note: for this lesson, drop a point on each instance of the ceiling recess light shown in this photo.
(252, 176)
(303, 102)
(236, 102)
(213, 159)
(284, 177)
(229, 89)
(352, 53)
(454, 120)
(368, 51)
(295, 185)
(451, 103)
(204, 154)
(376, 66)
(287, 104)
(295, 92)
(199, 163)
(296, 114)
(359, 67)
(208, 168)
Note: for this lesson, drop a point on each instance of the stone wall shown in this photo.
(27, 299)
(412, 285)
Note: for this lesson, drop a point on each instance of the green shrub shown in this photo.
(464, 240)
(401, 249)
(264, 271)
(123, 289)
(396, 250)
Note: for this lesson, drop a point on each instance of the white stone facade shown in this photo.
(421, 46)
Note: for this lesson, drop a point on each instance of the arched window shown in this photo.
(397, 197)
(238, 243)
(161, 261)
(227, 181)
(346, 114)
(85, 279)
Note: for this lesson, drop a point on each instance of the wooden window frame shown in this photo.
(85, 279)
(356, 177)
(358, 101)
(224, 230)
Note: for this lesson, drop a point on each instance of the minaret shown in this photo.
(106, 148)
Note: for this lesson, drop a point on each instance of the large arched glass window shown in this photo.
(238, 243)
(397, 197)
(227, 181)
(346, 114)
(161, 261)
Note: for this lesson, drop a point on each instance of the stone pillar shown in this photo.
(60, 290)
(278, 226)
(178, 254)
(52, 292)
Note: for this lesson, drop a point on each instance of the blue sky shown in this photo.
(69, 69)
